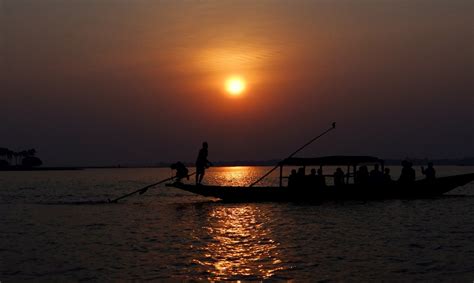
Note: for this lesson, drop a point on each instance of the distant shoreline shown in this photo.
(42, 169)
(389, 162)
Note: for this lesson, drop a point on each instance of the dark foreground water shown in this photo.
(55, 226)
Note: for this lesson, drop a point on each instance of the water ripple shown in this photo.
(167, 234)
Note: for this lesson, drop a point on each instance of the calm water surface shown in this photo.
(56, 226)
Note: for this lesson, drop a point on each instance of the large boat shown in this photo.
(350, 190)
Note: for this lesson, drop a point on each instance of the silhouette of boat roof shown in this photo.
(330, 160)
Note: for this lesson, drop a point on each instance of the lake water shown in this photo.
(56, 226)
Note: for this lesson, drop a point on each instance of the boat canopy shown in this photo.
(331, 160)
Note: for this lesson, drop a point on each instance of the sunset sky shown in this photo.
(99, 82)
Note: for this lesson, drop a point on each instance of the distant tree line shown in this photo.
(24, 158)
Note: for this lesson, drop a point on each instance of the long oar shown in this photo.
(333, 126)
(144, 189)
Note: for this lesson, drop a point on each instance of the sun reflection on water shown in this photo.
(238, 176)
(240, 245)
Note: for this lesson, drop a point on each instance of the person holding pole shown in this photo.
(202, 163)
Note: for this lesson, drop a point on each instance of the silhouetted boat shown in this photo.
(349, 191)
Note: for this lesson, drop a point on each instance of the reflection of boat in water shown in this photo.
(350, 190)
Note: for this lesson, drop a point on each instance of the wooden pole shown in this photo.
(333, 126)
(144, 189)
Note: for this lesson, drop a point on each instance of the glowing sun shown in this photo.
(235, 86)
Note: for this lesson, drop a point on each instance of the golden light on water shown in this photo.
(241, 245)
(235, 85)
(234, 175)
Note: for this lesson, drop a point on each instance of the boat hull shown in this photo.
(394, 190)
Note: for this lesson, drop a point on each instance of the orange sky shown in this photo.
(118, 81)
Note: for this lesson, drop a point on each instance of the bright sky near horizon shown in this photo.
(96, 82)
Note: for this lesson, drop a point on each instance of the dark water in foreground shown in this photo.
(54, 226)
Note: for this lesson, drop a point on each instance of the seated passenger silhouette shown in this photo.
(362, 175)
(300, 178)
(429, 172)
(408, 173)
(321, 178)
(312, 179)
(386, 176)
(338, 177)
(376, 176)
(411, 171)
(292, 178)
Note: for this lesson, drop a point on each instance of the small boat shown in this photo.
(349, 191)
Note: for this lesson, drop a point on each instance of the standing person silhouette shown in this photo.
(202, 163)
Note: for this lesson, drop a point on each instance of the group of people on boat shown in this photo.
(298, 178)
(316, 178)
(362, 176)
(408, 174)
(376, 176)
